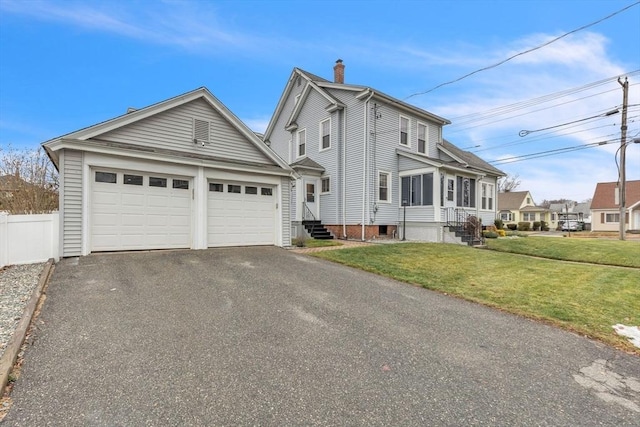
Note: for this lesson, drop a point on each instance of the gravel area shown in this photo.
(17, 283)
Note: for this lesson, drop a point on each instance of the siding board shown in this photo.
(173, 130)
(72, 203)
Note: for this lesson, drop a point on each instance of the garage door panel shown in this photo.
(236, 219)
(127, 217)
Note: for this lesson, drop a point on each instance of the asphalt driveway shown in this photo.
(264, 336)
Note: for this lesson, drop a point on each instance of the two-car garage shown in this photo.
(181, 173)
(131, 210)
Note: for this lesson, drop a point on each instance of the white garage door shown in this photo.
(133, 210)
(240, 214)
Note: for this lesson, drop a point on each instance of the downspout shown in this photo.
(344, 173)
(364, 168)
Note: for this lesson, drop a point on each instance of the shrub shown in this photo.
(498, 223)
(490, 234)
(300, 242)
(544, 226)
(512, 227)
(524, 226)
(536, 225)
(501, 232)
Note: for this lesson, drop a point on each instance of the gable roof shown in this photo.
(604, 195)
(468, 158)
(321, 85)
(511, 200)
(132, 116)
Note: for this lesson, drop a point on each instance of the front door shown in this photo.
(311, 198)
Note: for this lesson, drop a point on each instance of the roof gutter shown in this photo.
(364, 166)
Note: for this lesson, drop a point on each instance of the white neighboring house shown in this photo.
(182, 173)
(361, 153)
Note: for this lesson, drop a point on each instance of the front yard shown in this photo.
(588, 299)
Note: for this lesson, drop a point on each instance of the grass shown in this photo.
(588, 299)
(597, 251)
(316, 243)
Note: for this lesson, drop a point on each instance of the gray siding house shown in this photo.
(182, 173)
(369, 163)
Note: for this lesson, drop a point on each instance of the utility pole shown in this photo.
(623, 146)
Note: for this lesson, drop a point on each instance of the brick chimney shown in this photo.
(338, 72)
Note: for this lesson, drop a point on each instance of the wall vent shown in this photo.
(201, 131)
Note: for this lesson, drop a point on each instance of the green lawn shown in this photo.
(597, 251)
(588, 299)
(318, 243)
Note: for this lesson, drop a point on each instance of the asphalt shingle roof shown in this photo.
(604, 196)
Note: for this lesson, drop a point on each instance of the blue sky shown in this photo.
(69, 64)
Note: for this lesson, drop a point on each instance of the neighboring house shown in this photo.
(518, 206)
(182, 173)
(605, 207)
(9, 185)
(362, 155)
(581, 210)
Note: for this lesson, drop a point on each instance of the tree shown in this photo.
(508, 183)
(28, 182)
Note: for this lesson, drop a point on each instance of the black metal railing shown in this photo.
(307, 215)
(465, 224)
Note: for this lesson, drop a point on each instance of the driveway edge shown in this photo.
(17, 339)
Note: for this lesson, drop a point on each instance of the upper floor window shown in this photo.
(466, 190)
(404, 131)
(325, 134)
(384, 195)
(302, 143)
(422, 138)
(487, 196)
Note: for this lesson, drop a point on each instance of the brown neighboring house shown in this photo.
(605, 207)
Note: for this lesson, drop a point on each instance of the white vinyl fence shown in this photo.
(25, 239)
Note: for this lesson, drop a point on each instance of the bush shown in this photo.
(536, 225)
(524, 226)
(544, 226)
(498, 223)
(501, 233)
(300, 242)
(512, 227)
(490, 234)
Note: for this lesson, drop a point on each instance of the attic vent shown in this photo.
(200, 131)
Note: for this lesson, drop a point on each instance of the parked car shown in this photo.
(572, 225)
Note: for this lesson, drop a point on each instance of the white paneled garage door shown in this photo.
(240, 214)
(134, 210)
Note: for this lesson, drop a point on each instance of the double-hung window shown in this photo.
(422, 138)
(325, 185)
(302, 143)
(404, 131)
(325, 134)
(384, 179)
(417, 190)
(528, 216)
(487, 196)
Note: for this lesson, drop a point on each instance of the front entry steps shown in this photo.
(458, 234)
(317, 230)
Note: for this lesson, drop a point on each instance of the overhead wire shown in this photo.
(525, 51)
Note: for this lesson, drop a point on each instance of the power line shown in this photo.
(524, 52)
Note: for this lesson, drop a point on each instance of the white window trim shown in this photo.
(322, 179)
(426, 138)
(320, 149)
(488, 187)
(298, 155)
(408, 144)
(389, 187)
